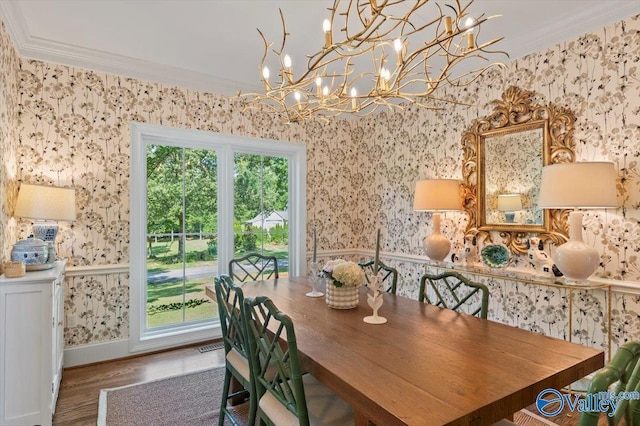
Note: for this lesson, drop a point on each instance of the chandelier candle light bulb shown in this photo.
(297, 96)
(265, 78)
(287, 68)
(448, 25)
(326, 27)
(397, 45)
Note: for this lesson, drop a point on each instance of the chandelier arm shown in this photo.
(284, 31)
(456, 82)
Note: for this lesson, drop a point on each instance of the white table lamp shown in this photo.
(46, 204)
(575, 186)
(437, 195)
(509, 204)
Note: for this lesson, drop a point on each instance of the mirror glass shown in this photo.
(512, 173)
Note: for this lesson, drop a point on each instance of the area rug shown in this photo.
(525, 417)
(191, 399)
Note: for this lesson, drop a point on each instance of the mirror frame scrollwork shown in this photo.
(513, 113)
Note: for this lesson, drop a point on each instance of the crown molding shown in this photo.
(559, 29)
(31, 47)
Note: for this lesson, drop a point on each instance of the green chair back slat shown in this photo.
(229, 298)
(624, 371)
(253, 267)
(389, 274)
(454, 291)
(274, 357)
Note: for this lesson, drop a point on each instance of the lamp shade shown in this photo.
(46, 202)
(437, 195)
(509, 202)
(589, 185)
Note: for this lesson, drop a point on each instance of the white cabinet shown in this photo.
(31, 346)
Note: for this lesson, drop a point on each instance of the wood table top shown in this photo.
(426, 365)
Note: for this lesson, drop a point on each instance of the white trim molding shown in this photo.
(78, 271)
(33, 47)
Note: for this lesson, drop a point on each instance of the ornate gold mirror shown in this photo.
(503, 158)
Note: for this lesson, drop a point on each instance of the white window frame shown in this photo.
(142, 339)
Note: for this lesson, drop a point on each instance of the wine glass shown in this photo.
(315, 279)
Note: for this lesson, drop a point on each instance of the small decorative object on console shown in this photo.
(539, 258)
(495, 256)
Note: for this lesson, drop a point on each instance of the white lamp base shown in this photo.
(47, 231)
(436, 245)
(576, 260)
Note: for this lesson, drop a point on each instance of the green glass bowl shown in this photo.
(495, 256)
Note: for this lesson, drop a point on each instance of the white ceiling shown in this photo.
(213, 45)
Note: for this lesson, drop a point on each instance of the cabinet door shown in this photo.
(58, 339)
(26, 327)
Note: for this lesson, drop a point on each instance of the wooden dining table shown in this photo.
(425, 365)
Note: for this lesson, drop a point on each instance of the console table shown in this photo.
(496, 278)
(31, 345)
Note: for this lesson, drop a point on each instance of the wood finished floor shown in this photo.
(80, 388)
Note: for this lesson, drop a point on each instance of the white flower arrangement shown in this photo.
(344, 273)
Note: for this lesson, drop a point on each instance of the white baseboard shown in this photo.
(96, 352)
(114, 349)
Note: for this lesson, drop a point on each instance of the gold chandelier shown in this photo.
(382, 55)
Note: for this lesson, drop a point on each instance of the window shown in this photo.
(198, 199)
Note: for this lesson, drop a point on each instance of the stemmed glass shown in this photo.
(315, 279)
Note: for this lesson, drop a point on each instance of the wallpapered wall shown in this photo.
(8, 137)
(597, 76)
(74, 131)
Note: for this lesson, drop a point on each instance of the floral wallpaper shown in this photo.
(8, 139)
(70, 127)
(596, 76)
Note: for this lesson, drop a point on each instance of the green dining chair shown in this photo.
(389, 274)
(624, 371)
(453, 291)
(230, 299)
(285, 395)
(253, 267)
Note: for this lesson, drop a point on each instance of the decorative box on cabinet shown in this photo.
(31, 346)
